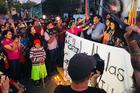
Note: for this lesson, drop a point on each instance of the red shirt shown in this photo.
(38, 30)
(12, 55)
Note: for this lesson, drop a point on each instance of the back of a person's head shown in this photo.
(80, 66)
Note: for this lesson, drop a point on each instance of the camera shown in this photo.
(100, 64)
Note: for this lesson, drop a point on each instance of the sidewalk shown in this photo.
(50, 83)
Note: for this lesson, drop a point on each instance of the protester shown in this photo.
(61, 29)
(74, 29)
(53, 41)
(32, 35)
(134, 47)
(24, 55)
(2, 28)
(24, 41)
(7, 84)
(21, 27)
(9, 25)
(12, 47)
(86, 26)
(4, 81)
(52, 47)
(38, 28)
(125, 20)
(110, 35)
(3, 61)
(80, 24)
(80, 71)
(37, 56)
(95, 32)
(105, 34)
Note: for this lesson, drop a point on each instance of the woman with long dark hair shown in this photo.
(12, 47)
(110, 35)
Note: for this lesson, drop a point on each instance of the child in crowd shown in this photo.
(37, 56)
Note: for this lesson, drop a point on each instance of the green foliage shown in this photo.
(37, 11)
(3, 9)
(28, 5)
(59, 7)
(18, 6)
(2, 2)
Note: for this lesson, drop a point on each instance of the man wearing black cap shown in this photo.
(80, 70)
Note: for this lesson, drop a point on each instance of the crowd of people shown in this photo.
(34, 47)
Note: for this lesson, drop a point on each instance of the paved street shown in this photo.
(50, 84)
(31, 88)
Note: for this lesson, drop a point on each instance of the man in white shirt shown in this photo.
(50, 37)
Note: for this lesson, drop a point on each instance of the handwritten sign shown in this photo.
(118, 70)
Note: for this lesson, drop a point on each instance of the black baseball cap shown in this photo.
(80, 66)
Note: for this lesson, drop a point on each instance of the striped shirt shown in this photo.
(37, 55)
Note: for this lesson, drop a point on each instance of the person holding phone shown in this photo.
(4, 84)
(12, 47)
(8, 85)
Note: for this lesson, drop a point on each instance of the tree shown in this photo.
(28, 5)
(2, 1)
(3, 9)
(63, 6)
(18, 6)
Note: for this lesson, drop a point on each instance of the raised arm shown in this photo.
(134, 48)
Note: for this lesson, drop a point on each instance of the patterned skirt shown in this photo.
(38, 72)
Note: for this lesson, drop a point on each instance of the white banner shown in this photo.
(118, 70)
